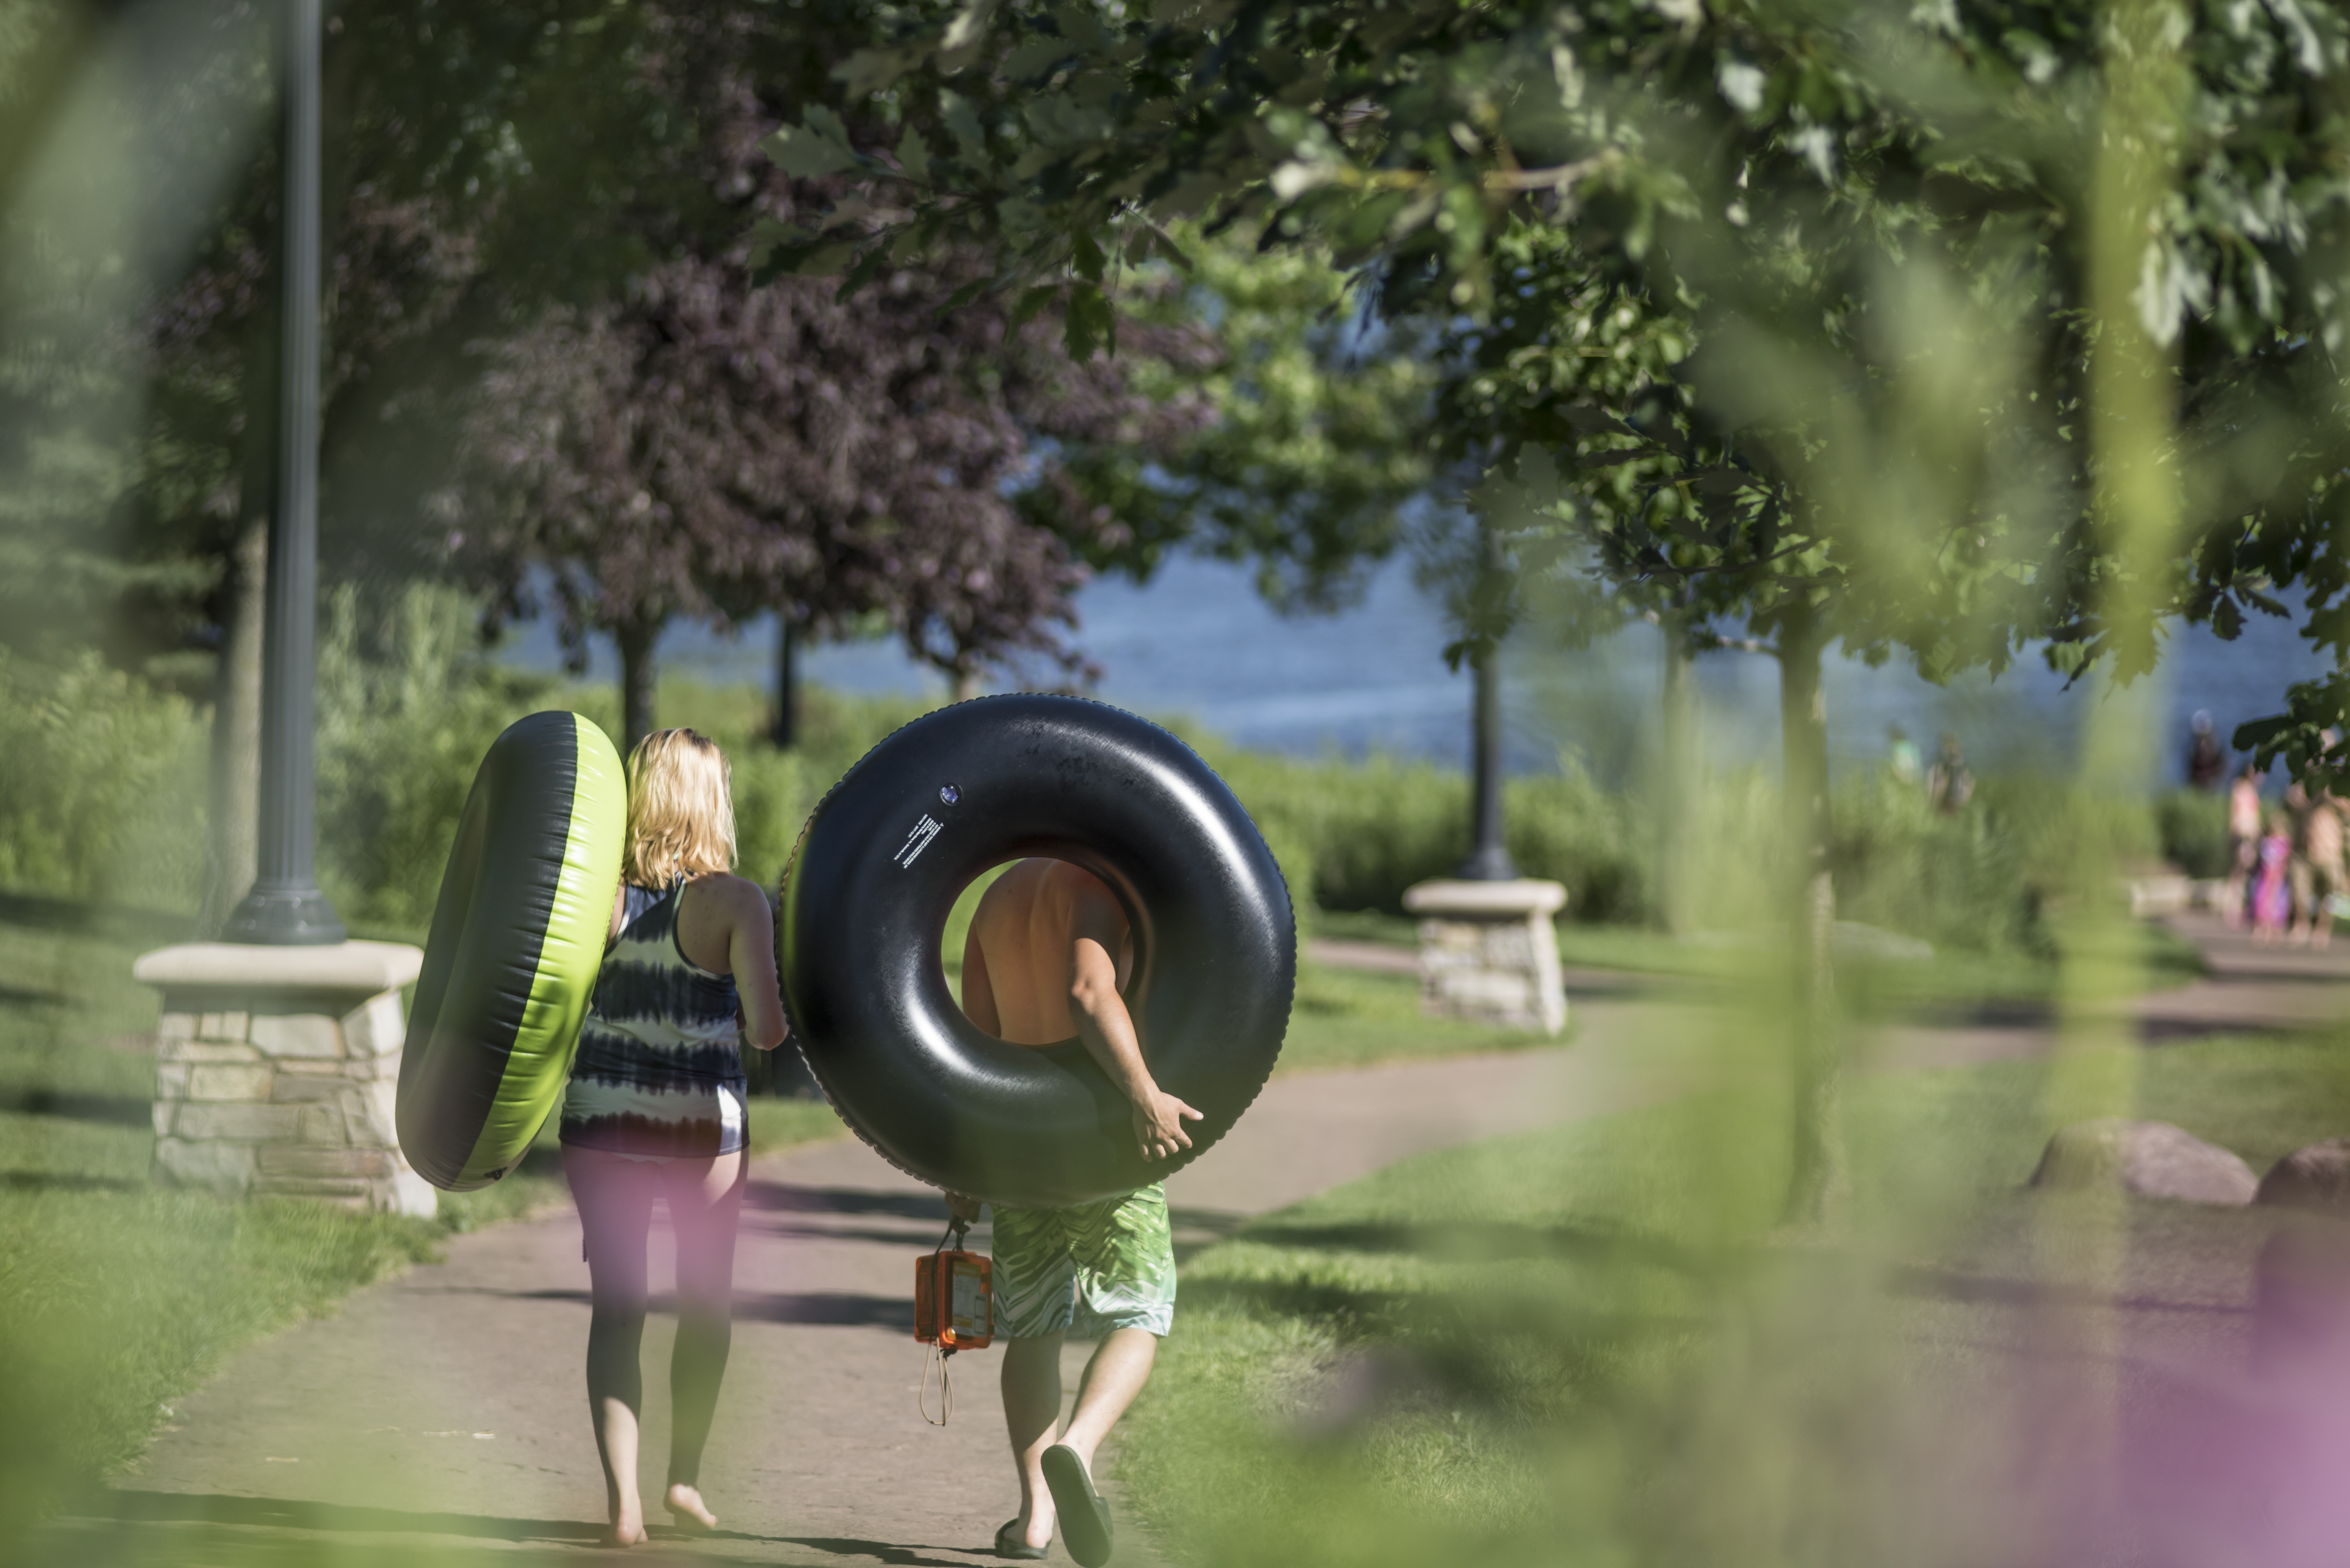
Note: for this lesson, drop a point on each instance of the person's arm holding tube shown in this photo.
(1107, 1031)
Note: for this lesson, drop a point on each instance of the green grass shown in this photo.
(1590, 1346)
(1352, 1018)
(116, 1296)
(1367, 926)
(1953, 976)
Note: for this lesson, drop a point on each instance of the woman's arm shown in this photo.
(751, 954)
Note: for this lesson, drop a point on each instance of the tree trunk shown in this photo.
(966, 684)
(1677, 785)
(787, 681)
(234, 829)
(234, 857)
(1819, 1183)
(636, 675)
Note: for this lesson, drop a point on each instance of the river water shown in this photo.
(1198, 641)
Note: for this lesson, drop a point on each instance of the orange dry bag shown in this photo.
(954, 1309)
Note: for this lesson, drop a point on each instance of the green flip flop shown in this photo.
(1009, 1544)
(1085, 1516)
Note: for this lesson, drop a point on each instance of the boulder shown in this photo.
(2152, 1159)
(2317, 1176)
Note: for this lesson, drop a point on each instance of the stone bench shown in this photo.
(1488, 951)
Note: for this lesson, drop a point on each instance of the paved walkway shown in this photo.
(441, 1412)
(440, 1416)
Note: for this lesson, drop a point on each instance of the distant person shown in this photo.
(2244, 815)
(2272, 881)
(1901, 759)
(1949, 783)
(2317, 872)
(1048, 952)
(2207, 760)
(654, 1110)
(2296, 813)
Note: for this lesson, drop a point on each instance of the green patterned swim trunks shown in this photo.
(1087, 1270)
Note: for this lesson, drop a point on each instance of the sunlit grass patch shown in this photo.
(777, 1124)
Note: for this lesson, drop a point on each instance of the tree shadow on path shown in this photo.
(792, 1199)
(886, 1552)
(127, 1529)
(109, 1110)
(828, 1309)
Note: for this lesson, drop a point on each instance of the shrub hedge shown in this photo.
(102, 798)
(98, 770)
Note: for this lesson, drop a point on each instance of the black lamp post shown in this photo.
(286, 907)
(1487, 860)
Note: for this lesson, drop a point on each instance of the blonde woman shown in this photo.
(654, 1108)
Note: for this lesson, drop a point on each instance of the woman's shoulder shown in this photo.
(724, 890)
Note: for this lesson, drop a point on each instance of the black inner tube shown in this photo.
(928, 810)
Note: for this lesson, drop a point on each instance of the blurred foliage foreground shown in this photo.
(116, 1296)
(1590, 1345)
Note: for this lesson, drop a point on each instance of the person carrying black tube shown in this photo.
(1047, 957)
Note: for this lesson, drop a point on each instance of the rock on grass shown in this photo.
(2151, 1159)
(2316, 1177)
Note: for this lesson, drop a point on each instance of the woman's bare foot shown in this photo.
(685, 1506)
(627, 1529)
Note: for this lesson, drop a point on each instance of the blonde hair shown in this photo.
(680, 809)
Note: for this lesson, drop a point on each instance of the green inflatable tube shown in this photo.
(518, 936)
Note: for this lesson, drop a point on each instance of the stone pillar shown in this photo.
(278, 1068)
(1488, 951)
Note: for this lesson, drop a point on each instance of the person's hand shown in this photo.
(963, 1209)
(742, 1030)
(1159, 1118)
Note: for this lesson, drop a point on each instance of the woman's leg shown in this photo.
(616, 1206)
(706, 1202)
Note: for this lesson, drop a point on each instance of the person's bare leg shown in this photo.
(1121, 1367)
(616, 1445)
(615, 1200)
(1032, 1418)
(704, 1207)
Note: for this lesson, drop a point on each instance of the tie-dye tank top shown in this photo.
(659, 1074)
